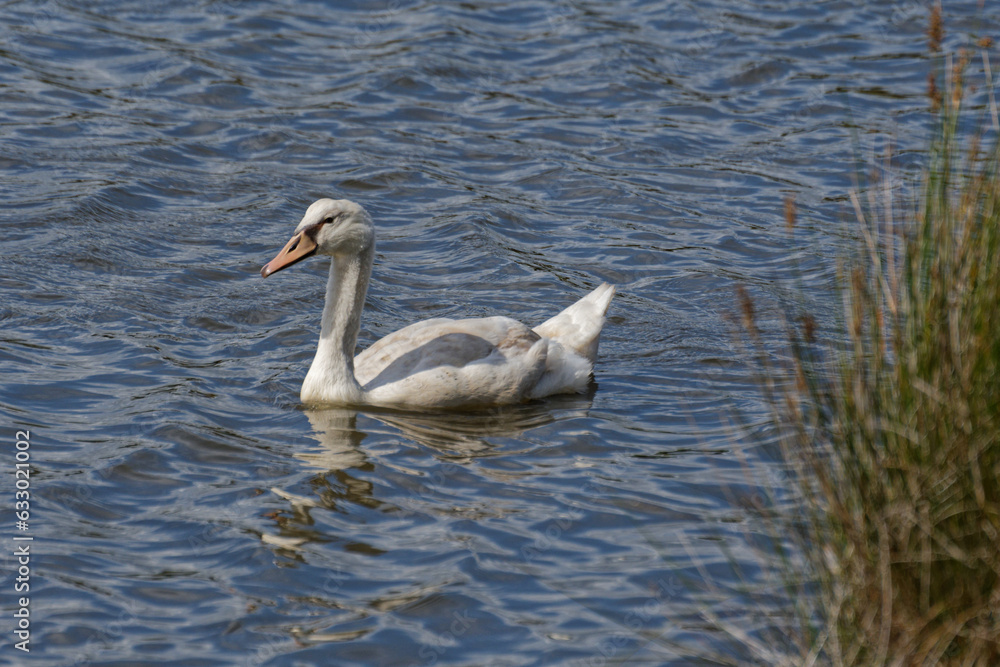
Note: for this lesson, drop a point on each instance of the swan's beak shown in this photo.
(300, 247)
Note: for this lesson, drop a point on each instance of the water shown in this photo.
(186, 510)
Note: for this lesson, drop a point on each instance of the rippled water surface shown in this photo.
(186, 509)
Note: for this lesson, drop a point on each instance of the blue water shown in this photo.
(185, 509)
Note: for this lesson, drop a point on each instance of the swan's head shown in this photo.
(329, 227)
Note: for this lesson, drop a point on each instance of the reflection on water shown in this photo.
(453, 437)
(457, 435)
(513, 155)
(336, 431)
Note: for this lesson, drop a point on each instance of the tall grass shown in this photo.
(895, 431)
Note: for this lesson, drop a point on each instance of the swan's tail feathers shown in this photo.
(579, 327)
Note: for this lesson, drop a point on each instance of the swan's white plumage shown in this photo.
(446, 363)
(437, 362)
(579, 326)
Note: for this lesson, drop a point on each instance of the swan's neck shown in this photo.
(331, 377)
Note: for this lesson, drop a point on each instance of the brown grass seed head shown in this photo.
(935, 30)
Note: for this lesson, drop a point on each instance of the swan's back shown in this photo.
(487, 361)
(449, 363)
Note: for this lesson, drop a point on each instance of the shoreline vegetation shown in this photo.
(893, 431)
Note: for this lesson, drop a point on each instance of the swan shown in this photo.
(436, 363)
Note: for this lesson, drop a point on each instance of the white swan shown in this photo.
(438, 362)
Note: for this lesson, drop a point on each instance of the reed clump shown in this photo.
(894, 428)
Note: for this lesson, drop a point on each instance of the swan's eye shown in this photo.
(328, 219)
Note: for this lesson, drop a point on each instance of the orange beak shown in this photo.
(301, 246)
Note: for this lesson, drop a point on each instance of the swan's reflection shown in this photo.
(458, 437)
(336, 431)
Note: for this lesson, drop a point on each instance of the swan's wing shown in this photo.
(444, 362)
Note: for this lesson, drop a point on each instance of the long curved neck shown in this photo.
(331, 377)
